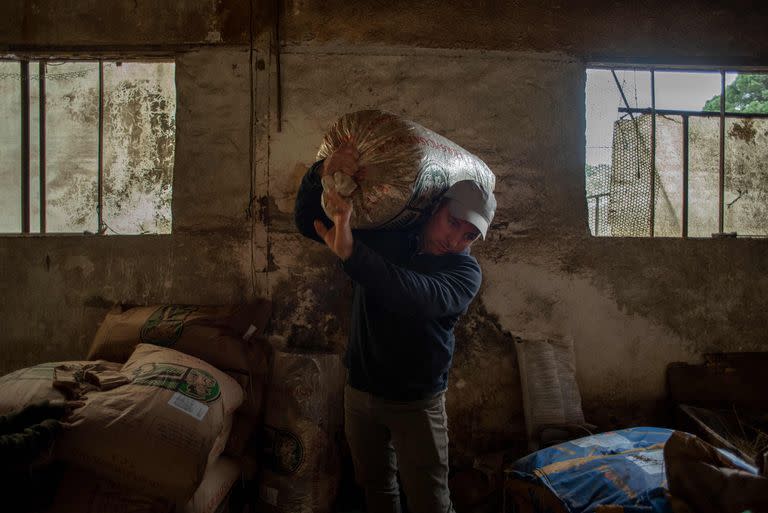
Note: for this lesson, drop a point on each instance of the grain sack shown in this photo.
(180, 327)
(155, 433)
(222, 439)
(303, 420)
(407, 167)
(34, 384)
(84, 492)
(219, 478)
(551, 394)
(227, 337)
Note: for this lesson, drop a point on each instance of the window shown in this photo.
(677, 152)
(86, 146)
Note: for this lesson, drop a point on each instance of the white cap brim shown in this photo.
(461, 211)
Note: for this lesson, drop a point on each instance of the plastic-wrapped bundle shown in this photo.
(407, 167)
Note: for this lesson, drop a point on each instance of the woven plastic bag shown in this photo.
(407, 167)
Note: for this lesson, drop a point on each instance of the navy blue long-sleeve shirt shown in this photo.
(404, 308)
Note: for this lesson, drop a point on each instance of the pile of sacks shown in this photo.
(181, 402)
(171, 394)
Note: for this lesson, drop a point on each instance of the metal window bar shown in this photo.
(652, 220)
(597, 197)
(693, 113)
(685, 176)
(24, 67)
(43, 69)
(721, 181)
(100, 180)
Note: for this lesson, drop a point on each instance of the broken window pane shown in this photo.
(10, 147)
(72, 108)
(139, 146)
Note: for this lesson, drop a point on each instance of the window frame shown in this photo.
(653, 68)
(23, 59)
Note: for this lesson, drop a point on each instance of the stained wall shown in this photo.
(503, 79)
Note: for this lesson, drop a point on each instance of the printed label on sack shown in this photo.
(189, 405)
(194, 383)
(269, 495)
(612, 441)
(164, 326)
(283, 451)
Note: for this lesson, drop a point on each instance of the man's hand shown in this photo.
(343, 160)
(339, 236)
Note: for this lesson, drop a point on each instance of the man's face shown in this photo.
(444, 234)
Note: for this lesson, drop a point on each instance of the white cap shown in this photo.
(472, 203)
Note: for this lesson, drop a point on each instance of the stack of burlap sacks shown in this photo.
(163, 388)
(173, 413)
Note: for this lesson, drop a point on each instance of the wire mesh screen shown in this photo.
(604, 98)
(629, 211)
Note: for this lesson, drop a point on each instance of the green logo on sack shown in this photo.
(164, 326)
(283, 451)
(194, 383)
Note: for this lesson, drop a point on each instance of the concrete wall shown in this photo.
(504, 80)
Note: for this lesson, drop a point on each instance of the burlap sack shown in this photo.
(227, 337)
(551, 394)
(190, 329)
(303, 419)
(154, 434)
(34, 384)
(219, 478)
(84, 492)
(222, 439)
(406, 167)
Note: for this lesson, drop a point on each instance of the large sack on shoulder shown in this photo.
(303, 421)
(200, 330)
(407, 167)
(37, 383)
(155, 433)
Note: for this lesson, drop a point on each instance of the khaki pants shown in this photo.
(385, 436)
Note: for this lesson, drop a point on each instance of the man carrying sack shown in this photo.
(410, 288)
